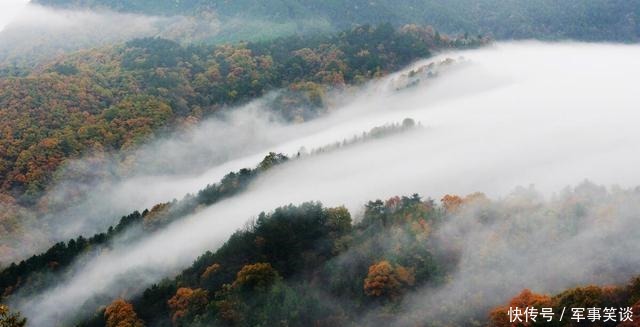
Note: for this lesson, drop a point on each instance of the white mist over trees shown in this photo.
(9, 9)
(36, 34)
(513, 114)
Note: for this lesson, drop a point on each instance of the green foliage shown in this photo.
(281, 267)
(33, 271)
(291, 241)
(34, 274)
(543, 19)
(65, 69)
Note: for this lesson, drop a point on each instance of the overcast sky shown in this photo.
(8, 10)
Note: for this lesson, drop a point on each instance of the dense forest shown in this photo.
(107, 102)
(115, 98)
(272, 272)
(285, 241)
(313, 265)
(32, 275)
(282, 256)
(545, 19)
(308, 264)
(40, 36)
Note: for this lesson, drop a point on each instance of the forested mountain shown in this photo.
(52, 28)
(542, 19)
(108, 101)
(294, 215)
(309, 264)
(274, 261)
(114, 98)
(32, 275)
(287, 254)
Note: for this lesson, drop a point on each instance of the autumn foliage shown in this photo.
(387, 280)
(257, 276)
(212, 269)
(186, 301)
(147, 87)
(9, 319)
(121, 314)
(103, 104)
(451, 203)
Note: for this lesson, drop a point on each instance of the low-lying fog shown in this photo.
(31, 34)
(512, 114)
(9, 9)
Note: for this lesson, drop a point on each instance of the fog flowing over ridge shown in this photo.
(36, 34)
(512, 114)
(198, 158)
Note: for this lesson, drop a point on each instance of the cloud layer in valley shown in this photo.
(511, 114)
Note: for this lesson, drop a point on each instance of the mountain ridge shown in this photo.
(541, 19)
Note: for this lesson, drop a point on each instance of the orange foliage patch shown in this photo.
(187, 300)
(210, 271)
(386, 280)
(121, 314)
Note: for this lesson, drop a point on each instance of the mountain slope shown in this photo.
(105, 103)
(543, 19)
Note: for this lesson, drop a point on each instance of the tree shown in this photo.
(121, 314)
(452, 203)
(385, 280)
(408, 123)
(255, 277)
(228, 311)
(374, 213)
(212, 269)
(271, 160)
(186, 302)
(338, 221)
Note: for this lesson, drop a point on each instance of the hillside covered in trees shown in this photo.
(541, 19)
(115, 98)
(263, 169)
(308, 264)
(53, 28)
(107, 102)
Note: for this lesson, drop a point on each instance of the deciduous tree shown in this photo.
(385, 280)
(121, 314)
